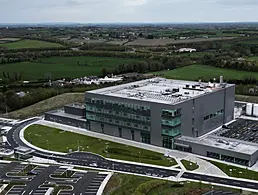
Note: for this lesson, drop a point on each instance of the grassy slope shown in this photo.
(245, 98)
(38, 135)
(64, 66)
(26, 43)
(193, 72)
(46, 105)
(127, 184)
(236, 171)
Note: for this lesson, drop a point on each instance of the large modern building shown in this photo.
(183, 115)
(157, 111)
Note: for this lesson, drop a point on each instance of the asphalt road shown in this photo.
(85, 159)
(39, 180)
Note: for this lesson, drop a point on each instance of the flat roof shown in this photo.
(76, 105)
(23, 150)
(160, 90)
(63, 114)
(223, 143)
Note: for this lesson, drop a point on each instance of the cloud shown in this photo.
(73, 3)
(127, 10)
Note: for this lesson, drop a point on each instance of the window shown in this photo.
(145, 138)
(102, 128)
(120, 132)
(167, 142)
(132, 134)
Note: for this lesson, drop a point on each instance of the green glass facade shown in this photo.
(122, 114)
(170, 125)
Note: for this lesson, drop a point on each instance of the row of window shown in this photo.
(171, 113)
(117, 113)
(93, 117)
(210, 116)
(116, 104)
(228, 158)
(145, 137)
(171, 131)
(173, 122)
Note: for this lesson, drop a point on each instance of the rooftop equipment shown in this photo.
(249, 108)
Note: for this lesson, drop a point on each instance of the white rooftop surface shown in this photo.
(159, 90)
(237, 146)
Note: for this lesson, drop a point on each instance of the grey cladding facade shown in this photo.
(159, 123)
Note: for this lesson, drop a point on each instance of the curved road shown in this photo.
(85, 159)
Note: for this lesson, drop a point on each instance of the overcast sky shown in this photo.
(85, 11)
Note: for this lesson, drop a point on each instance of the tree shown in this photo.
(104, 71)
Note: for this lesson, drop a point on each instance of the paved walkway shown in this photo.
(205, 166)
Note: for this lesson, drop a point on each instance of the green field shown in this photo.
(194, 72)
(27, 43)
(62, 141)
(59, 67)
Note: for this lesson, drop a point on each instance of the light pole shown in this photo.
(139, 156)
(48, 150)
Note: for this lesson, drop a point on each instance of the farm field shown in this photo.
(27, 43)
(194, 72)
(59, 67)
(163, 42)
(10, 39)
(86, 41)
(116, 42)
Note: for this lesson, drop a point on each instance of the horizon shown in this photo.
(128, 11)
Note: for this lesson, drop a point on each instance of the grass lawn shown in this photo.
(194, 72)
(38, 134)
(254, 58)
(46, 105)
(234, 171)
(245, 98)
(27, 43)
(59, 67)
(189, 165)
(121, 184)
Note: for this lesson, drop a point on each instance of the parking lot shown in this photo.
(33, 179)
(95, 184)
(242, 129)
(16, 189)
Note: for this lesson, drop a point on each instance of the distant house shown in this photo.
(21, 94)
(186, 50)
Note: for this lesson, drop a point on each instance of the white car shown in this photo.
(93, 165)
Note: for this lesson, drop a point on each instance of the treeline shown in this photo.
(11, 101)
(149, 66)
(32, 49)
(29, 56)
(227, 62)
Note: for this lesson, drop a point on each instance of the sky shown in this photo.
(127, 11)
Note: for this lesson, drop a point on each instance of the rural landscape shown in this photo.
(46, 67)
(31, 57)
